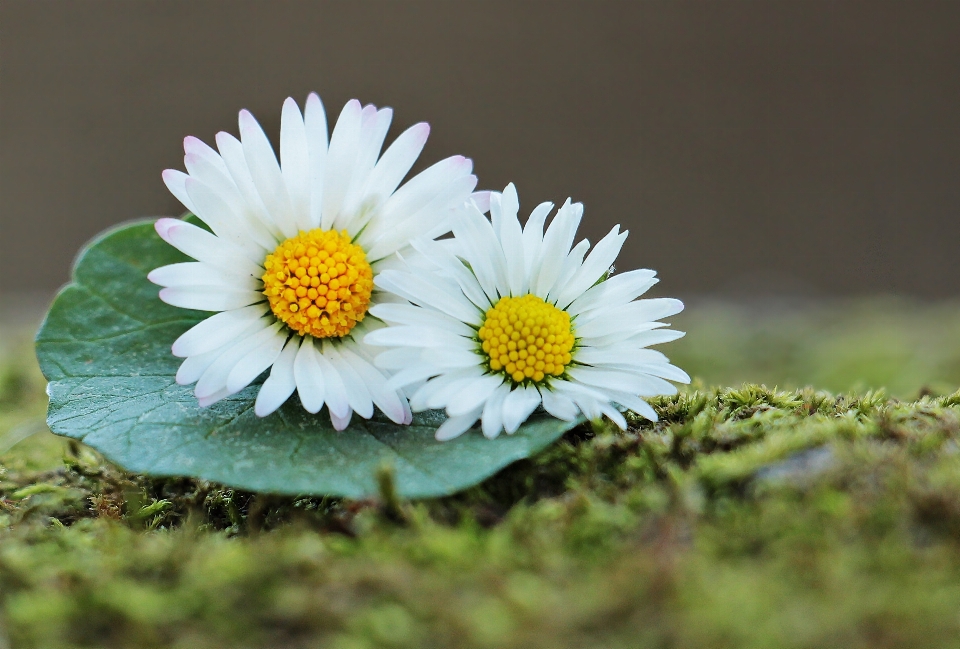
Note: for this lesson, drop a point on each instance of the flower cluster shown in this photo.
(325, 271)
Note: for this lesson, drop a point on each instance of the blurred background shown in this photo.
(790, 168)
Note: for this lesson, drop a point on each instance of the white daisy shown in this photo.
(296, 245)
(517, 319)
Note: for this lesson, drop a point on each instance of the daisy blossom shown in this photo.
(296, 245)
(516, 319)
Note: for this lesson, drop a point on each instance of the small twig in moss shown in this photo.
(390, 504)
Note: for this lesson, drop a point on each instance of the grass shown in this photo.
(749, 516)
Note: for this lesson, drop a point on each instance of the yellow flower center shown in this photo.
(527, 339)
(318, 283)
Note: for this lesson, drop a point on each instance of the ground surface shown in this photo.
(748, 517)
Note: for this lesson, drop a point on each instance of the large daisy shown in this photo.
(514, 318)
(295, 247)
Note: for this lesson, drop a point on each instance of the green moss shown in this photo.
(747, 517)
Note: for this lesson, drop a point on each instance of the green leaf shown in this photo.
(105, 349)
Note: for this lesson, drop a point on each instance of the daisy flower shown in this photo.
(516, 319)
(295, 248)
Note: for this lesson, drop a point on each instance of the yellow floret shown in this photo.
(518, 330)
(318, 283)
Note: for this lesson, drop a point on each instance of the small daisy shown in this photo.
(516, 319)
(295, 248)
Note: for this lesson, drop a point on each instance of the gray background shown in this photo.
(783, 146)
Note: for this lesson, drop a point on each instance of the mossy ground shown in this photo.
(747, 517)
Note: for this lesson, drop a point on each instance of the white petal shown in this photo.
(341, 159)
(197, 148)
(481, 200)
(315, 123)
(641, 384)
(281, 383)
(599, 262)
(437, 392)
(613, 415)
(656, 337)
(423, 389)
(556, 244)
(408, 314)
(558, 405)
(570, 266)
(405, 336)
(661, 370)
(618, 289)
(634, 403)
(335, 394)
(266, 175)
(483, 259)
(415, 195)
(511, 239)
(618, 354)
(358, 396)
(449, 395)
(225, 223)
(533, 237)
(586, 398)
(518, 405)
(624, 334)
(652, 309)
(396, 162)
(218, 330)
(214, 378)
(456, 426)
(474, 395)
(483, 252)
(432, 219)
(201, 245)
(295, 162)
(211, 399)
(573, 388)
(259, 219)
(175, 182)
(450, 266)
(238, 215)
(407, 412)
(311, 385)
(430, 292)
(496, 213)
(412, 374)
(193, 367)
(390, 403)
(449, 358)
(509, 207)
(351, 215)
(398, 358)
(209, 298)
(256, 361)
(373, 129)
(421, 189)
(207, 167)
(492, 418)
(622, 317)
(341, 423)
(664, 371)
(197, 273)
